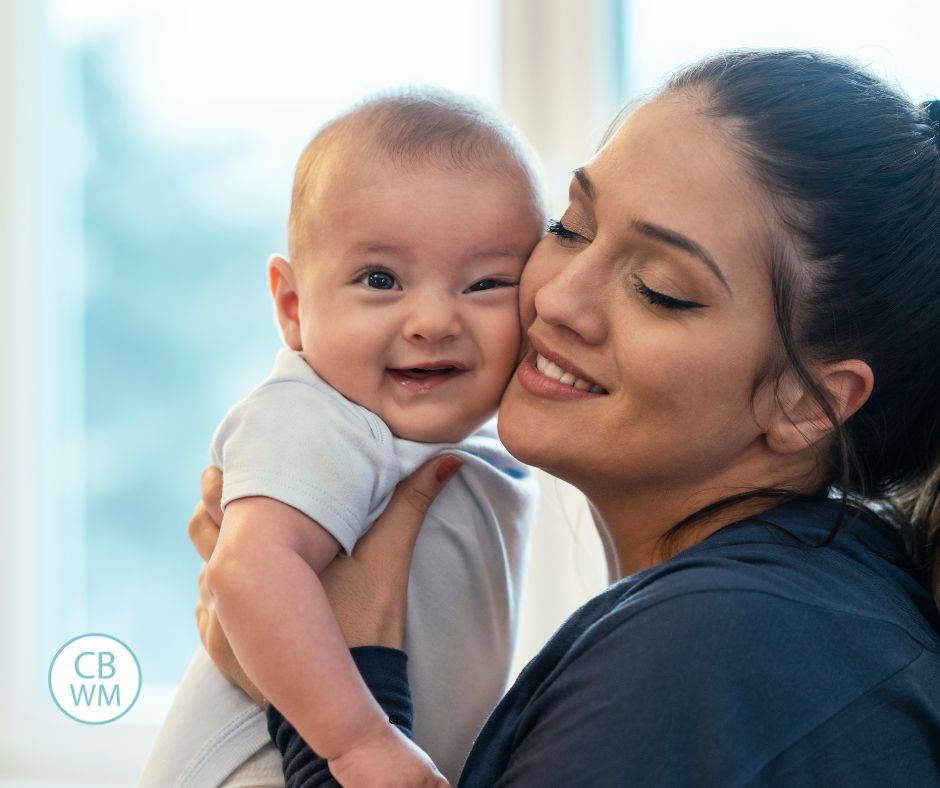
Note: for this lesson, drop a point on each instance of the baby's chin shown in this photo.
(437, 430)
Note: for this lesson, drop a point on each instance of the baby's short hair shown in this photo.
(416, 125)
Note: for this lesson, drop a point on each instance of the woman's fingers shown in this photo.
(207, 517)
(203, 532)
(368, 591)
(394, 534)
(217, 645)
(210, 489)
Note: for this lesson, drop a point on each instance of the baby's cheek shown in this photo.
(505, 344)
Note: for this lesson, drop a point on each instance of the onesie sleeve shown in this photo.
(312, 449)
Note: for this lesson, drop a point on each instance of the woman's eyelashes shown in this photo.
(656, 298)
(662, 299)
(555, 227)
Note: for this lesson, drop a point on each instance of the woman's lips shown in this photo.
(541, 385)
(420, 381)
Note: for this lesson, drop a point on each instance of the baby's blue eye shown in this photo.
(381, 280)
(488, 284)
(483, 284)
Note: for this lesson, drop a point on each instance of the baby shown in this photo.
(412, 217)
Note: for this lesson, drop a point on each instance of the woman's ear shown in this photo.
(799, 422)
(282, 280)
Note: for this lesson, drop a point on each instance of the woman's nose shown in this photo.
(571, 296)
(432, 318)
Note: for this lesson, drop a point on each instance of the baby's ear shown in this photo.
(283, 283)
(799, 421)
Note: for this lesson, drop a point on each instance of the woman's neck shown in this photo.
(636, 541)
(636, 527)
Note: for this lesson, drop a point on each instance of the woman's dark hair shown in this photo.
(852, 169)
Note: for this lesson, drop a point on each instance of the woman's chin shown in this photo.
(523, 438)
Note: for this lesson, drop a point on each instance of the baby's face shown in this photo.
(408, 292)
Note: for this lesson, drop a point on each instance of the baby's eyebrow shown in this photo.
(481, 254)
(494, 251)
(376, 247)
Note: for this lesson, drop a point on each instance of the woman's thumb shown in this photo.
(421, 488)
(404, 514)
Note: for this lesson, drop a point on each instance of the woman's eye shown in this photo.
(555, 227)
(488, 284)
(661, 299)
(379, 280)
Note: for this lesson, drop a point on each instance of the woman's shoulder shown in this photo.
(786, 563)
(761, 593)
(720, 677)
(743, 646)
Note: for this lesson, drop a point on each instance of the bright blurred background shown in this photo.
(146, 157)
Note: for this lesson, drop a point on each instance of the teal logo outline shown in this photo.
(130, 651)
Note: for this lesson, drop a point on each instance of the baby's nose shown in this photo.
(433, 319)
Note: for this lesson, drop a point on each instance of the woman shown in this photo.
(749, 269)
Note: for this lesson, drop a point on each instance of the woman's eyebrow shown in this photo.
(586, 184)
(683, 242)
(658, 233)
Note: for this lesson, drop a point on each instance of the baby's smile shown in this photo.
(424, 378)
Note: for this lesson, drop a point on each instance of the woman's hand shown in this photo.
(368, 590)
(204, 533)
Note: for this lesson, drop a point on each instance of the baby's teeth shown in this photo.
(582, 385)
(554, 371)
(568, 379)
(541, 363)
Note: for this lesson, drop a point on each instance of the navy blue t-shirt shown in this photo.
(749, 659)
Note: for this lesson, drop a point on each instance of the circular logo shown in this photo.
(94, 678)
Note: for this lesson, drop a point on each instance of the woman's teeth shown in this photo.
(551, 370)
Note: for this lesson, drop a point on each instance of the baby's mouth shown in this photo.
(424, 378)
(420, 373)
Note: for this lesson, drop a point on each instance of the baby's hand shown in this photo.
(387, 760)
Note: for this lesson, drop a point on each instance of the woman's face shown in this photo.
(653, 293)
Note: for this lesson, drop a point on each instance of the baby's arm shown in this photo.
(275, 612)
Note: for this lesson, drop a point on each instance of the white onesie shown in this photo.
(298, 440)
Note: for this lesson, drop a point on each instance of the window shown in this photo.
(166, 137)
(186, 169)
(897, 40)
